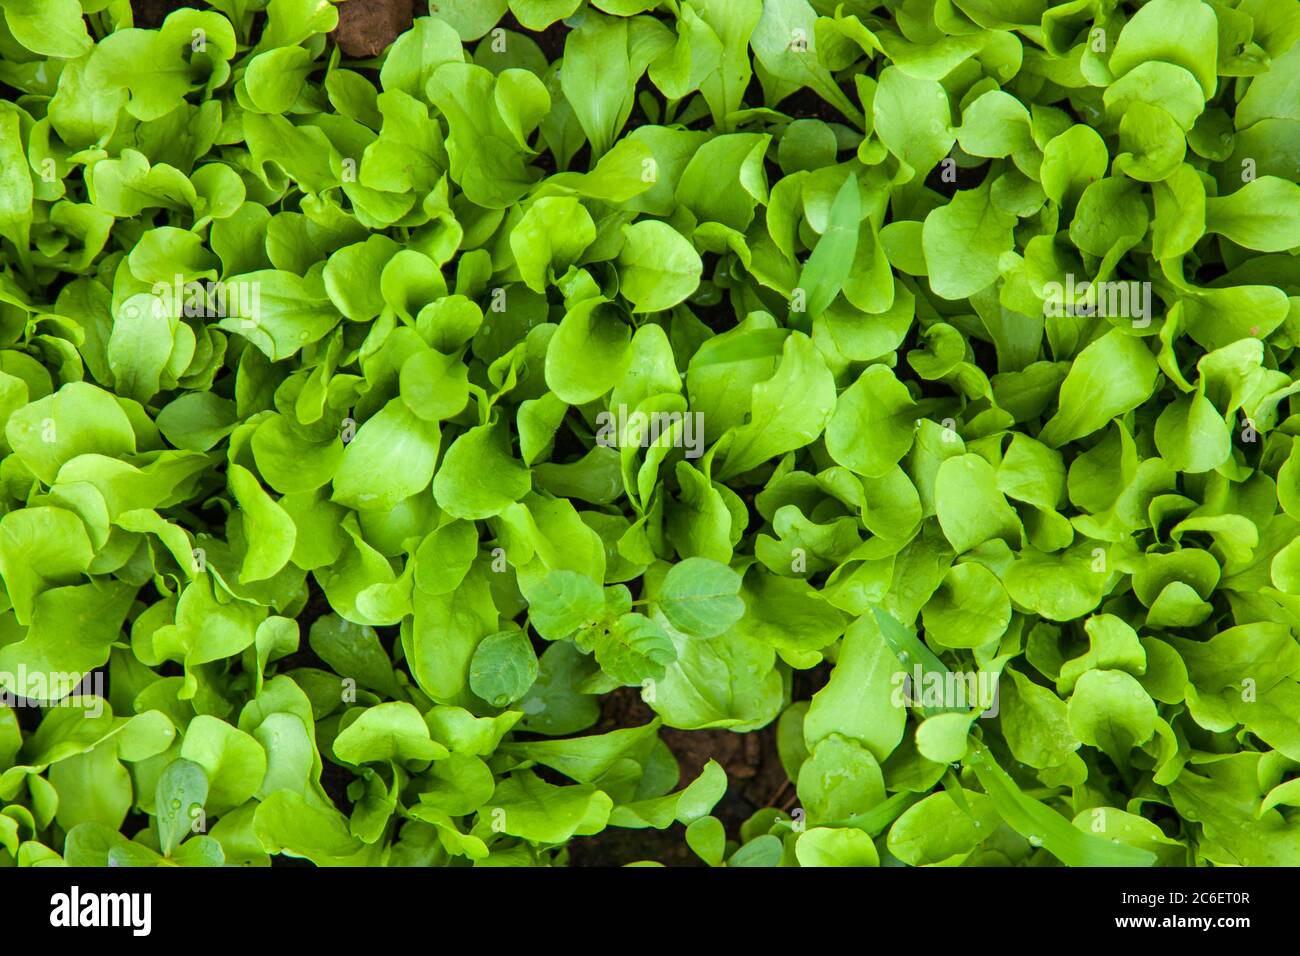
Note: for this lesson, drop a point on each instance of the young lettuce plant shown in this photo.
(912, 387)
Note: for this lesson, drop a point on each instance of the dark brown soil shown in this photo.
(367, 27)
(618, 847)
(334, 780)
(964, 177)
(551, 40)
(755, 780)
(804, 104)
(149, 14)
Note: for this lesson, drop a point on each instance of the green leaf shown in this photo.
(283, 313)
(826, 846)
(858, 701)
(389, 731)
(78, 419)
(274, 79)
(1176, 31)
(598, 78)
(659, 267)
(1264, 214)
(265, 523)
(787, 411)
(49, 27)
(964, 241)
(729, 681)
(479, 476)
(970, 608)
(15, 183)
(486, 117)
(1113, 375)
(879, 405)
(937, 831)
(589, 352)
(286, 822)
(391, 458)
(1111, 711)
(529, 808)
(913, 119)
(724, 181)
(708, 839)
(634, 649)
(504, 666)
(971, 509)
(71, 633)
(181, 791)
(828, 267)
(839, 779)
(793, 65)
(1035, 724)
(1044, 827)
(563, 601)
(233, 761)
(701, 597)
(552, 235)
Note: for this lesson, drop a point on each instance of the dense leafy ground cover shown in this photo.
(431, 441)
